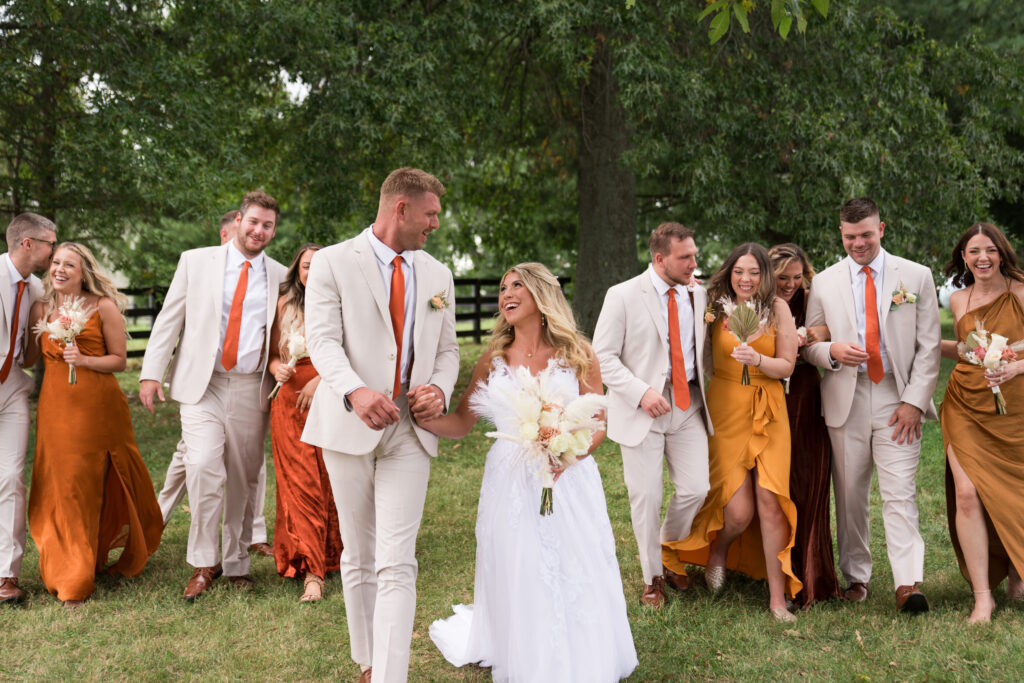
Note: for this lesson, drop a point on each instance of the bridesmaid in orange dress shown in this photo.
(91, 492)
(985, 450)
(307, 539)
(747, 522)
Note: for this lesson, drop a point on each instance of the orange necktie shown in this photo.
(230, 355)
(680, 387)
(871, 339)
(6, 369)
(397, 308)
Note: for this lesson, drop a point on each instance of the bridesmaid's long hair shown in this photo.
(957, 267)
(294, 293)
(94, 280)
(558, 325)
(783, 255)
(721, 282)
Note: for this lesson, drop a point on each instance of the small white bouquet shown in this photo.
(71, 320)
(743, 321)
(551, 433)
(990, 351)
(295, 341)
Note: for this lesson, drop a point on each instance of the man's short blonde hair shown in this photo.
(410, 182)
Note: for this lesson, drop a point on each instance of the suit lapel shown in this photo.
(700, 297)
(890, 283)
(371, 273)
(846, 294)
(420, 302)
(219, 262)
(653, 304)
(273, 285)
(6, 305)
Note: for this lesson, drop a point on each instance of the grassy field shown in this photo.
(141, 628)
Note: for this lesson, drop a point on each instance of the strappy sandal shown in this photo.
(313, 588)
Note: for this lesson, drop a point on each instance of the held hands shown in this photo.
(654, 404)
(148, 388)
(1003, 374)
(746, 355)
(907, 419)
(426, 402)
(849, 354)
(375, 409)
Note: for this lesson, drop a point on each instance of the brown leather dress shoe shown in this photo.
(366, 676)
(681, 582)
(202, 579)
(654, 594)
(241, 583)
(9, 591)
(910, 600)
(856, 592)
(263, 549)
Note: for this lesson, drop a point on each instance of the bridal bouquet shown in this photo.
(991, 351)
(551, 433)
(295, 340)
(73, 315)
(743, 321)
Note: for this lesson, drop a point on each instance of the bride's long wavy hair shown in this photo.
(558, 326)
(94, 280)
(294, 293)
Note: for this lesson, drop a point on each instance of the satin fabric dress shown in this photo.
(810, 472)
(91, 491)
(306, 533)
(989, 447)
(751, 431)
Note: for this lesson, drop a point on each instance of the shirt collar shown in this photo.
(386, 254)
(662, 287)
(235, 258)
(876, 264)
(15, 275)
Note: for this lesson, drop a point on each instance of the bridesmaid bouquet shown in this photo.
(743, 321)
(990, 351)
(73, 315)
(295, 340)
(553, 434)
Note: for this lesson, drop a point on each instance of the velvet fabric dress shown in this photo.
(751, 431)
(91, 492)
(306, 534)
(810, 472)
(989, 447)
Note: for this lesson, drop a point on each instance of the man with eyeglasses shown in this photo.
(30, 242)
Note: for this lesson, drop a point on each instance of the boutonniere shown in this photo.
(439, 301)
(709, 314)
(902, 296)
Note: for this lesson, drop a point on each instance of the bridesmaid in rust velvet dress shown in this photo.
(811, 457)
(307, 540)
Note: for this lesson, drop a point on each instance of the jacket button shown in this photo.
(391, 356)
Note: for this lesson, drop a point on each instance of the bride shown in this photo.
(548, 595)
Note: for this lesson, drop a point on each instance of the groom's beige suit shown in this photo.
(223, 413)
(631, 342)
(857, 411)
(14, 417)
(379, 477)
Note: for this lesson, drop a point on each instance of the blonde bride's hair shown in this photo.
(94, 280)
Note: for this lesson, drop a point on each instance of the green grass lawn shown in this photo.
(142, 629)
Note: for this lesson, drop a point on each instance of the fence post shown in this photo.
(477, 311)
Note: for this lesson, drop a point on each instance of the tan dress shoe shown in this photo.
(856, 592)
(910, 600)
(9, 591)
(262, 549)
(681, 582)
(202, 579)
(654, 593)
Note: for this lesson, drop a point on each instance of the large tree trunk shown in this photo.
(607, 252)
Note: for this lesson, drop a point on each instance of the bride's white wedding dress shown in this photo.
(548, 594)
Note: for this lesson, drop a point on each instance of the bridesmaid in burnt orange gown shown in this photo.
(747, 522)
(91, 492)
(307, 539)
(985, 450)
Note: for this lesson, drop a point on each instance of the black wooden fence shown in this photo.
(476, 301)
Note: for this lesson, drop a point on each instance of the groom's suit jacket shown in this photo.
(191, 318)
(351, 341)
(911, 334)
(631, 343)
(32, 292)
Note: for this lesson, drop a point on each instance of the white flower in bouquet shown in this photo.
(991, 351)
(70, 322)
(295, 342)
(743, 321)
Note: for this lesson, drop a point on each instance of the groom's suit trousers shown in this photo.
(14, 422)
(380, 497)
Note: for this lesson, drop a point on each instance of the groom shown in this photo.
(881, 368)
(649, 340)
(387, 353)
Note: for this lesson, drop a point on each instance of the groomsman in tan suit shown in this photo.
(174, 481)
(881, 368)
(650, 341)
(30, 242)
(380, 328)
(218, 311)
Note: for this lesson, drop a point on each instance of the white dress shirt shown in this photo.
(684, 307)
(253, 330)
(385, 256)
(17, 326)
(882, 299)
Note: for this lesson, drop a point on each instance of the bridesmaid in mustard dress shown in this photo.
(747, 522)
(91, 492)
(985, 450)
